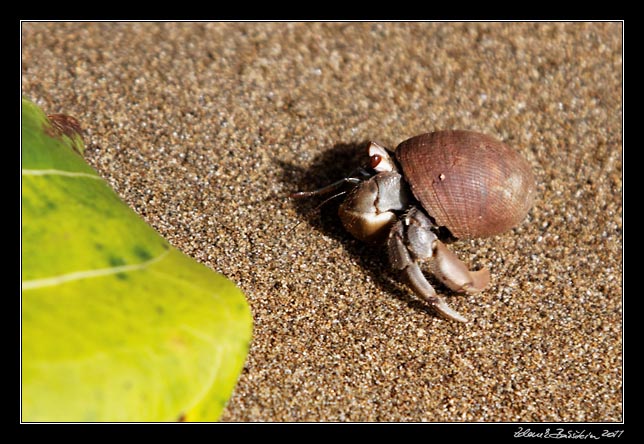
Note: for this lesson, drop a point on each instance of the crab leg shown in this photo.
(411, 240)
(416, 280)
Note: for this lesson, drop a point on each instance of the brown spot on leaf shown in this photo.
(64, 125)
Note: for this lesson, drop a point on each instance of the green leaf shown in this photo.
(117, 325)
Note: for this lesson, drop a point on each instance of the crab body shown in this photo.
(439, 186)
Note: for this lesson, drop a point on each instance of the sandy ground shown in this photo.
(204, 128)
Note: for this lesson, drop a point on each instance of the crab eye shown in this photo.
(375, 160)
(379, 159)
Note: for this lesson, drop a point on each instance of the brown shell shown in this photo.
(468, 182)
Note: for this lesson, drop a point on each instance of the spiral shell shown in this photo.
(471, 183)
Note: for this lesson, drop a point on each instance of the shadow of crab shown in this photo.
(321, 213)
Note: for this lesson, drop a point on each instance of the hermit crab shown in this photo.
(433, 189)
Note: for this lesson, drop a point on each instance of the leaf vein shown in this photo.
(88, 274)
(54, 172)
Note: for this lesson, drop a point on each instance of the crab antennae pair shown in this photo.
(326, 189)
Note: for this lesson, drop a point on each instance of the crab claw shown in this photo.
(449, 269)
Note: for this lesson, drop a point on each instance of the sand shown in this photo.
(205, 128)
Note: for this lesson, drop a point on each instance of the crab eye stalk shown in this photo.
(379, 159)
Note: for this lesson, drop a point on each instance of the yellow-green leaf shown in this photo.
(117, 325)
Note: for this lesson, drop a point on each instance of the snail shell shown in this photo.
(471, 183)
